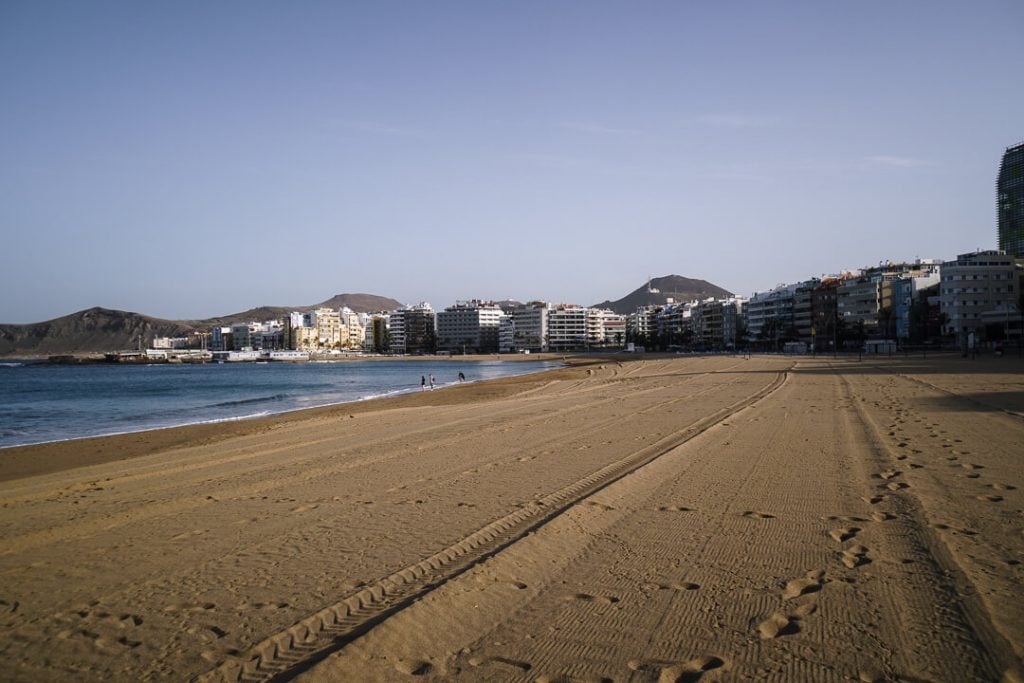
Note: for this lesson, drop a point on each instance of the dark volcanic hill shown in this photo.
(98, 330)
(675, 287)
(93, 330)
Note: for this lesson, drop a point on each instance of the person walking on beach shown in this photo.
(462, 378)
(431, 382)
(423, 382)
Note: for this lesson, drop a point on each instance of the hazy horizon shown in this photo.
(186, 161)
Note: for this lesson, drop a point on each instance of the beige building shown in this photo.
(330, 333)
(305, 339)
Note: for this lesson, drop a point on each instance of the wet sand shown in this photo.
(706, 518)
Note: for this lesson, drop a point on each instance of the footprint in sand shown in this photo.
(882, 516)
(991, 498)
(600, 506)
(811, 583)
(757, 515)
(683, 586)
(1003, 487)
(897, 485)
(873, 500)
(844, 534)
(190, 607)
(691, 671)
(674, 508)
(778, 624)
(855, 556)
(189, 534)
(587, 597)
(413, 667)
(501, 661)
(678, 672)
(208, 632)
(264, 605)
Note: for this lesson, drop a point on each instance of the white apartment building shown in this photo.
(603, 325)
(973, 285)
(469, 326)
(529, 327)
(170, 343)
(774, 305)
(643, 323)
(904, 294)
(567, 327)
(613, 329)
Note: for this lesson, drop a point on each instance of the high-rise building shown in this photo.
(1010, 201)
(469, 326)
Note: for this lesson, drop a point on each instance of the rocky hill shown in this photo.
(660, 289)
(99, 330)
(93, 330)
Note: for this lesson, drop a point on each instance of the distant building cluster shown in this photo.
(974, 299)
(474, 326)
(977, 298)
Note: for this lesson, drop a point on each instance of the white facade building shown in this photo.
(567, 327)
(469, 326)
(975, 284)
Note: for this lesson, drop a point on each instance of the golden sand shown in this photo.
(707, 518)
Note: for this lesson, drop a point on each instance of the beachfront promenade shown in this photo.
(704, 518)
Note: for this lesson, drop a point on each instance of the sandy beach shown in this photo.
(676, 519)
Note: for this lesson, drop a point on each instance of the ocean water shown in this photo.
(40, 403)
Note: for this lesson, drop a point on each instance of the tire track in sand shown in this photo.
(289, 652)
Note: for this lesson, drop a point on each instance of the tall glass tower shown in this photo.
(1010, 201)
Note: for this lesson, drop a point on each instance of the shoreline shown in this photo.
(28, 460)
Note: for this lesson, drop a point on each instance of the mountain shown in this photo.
(360, 303)
(98, 330)
(93, 330)
(675, 287)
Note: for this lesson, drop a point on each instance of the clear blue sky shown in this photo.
(188, 159)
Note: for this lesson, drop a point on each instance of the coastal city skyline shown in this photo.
(186, 163)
